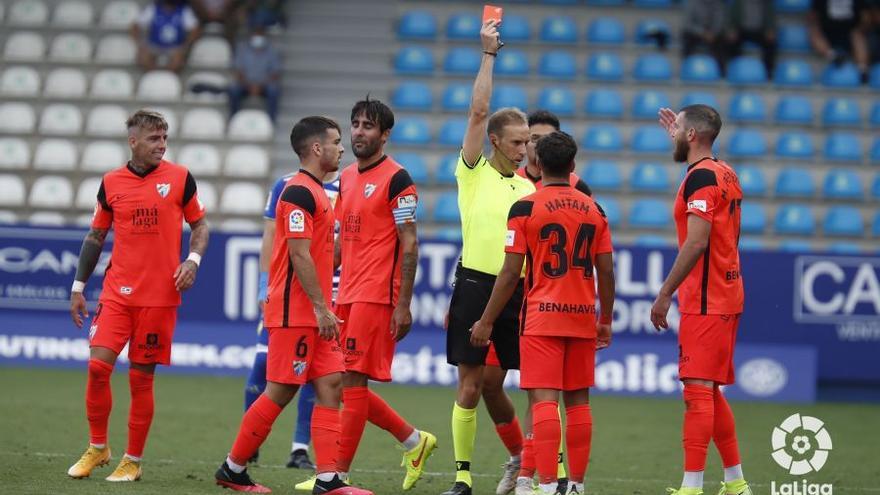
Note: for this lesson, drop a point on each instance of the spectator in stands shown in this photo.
(221, 12)
(704, 23)
(755, 21)
(266, 12)
(164, 31)
(257, 67)
(837, 31)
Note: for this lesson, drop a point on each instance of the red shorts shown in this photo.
(148, 331)
(492, 356)
(558, 363)
(297, 356)
(705, 347)
(367, 344)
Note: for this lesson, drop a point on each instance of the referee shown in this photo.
(486, 190)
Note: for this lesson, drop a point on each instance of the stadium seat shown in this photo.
(411, 131)
(508, 95)
(746, 143)
(411, 95)
(115, 49)
(843, 221)
(415, 165)
(457, 97)
(793, 38)
(250, 125)
(112, 84)
(46, 219)
(793, 73)
(700, 69)
(55, 154)
(11, 190)
(559, 29)
(748, 107)
(417, 24)
(557, 64)
(794, 109)
(103, 156)
(51, 191)
(415, 60)
(603, 139)
(106, 120)
(71, 47)
(651, 139)
(844, 247)
(203, 123)
(8, 217)
(446, 208)
(603, 175)
(210, 52)
(606, 30)
(612, 210)
(515, 28)
(245, 160)
(794, 144)
(24, 46)
(604, 3)
(875, 225)
(73, 13)
(452, 131)
(749, 243)
(648, 29)
(14, 153)
(841, 183)
(606, 67)
(65, 83)
(159, 85)
(557, 99)
(119, 14)
(17, 118)
(795, 246)
(462, 60)
(208, 195)
(649, 214)
(843, 146)
(652, 241)
(61, 119)
(451, 234)
(841, 112)
(28, 13)
(794, 182)
(875, 151)
(512, 62)
(874, 118)
(845, 76)
(652, 67)
(746, 70)
(795, 219)
(203, 159)
(875, 186)
(20, 81)
(649, 177)
(754, 218)
(647, 103)
(203, 79)
(792, 6)
(699, 97)
(604, 103)
(242, 198)
(463, 26)
(751, 180)
(445, 170)
(652, 4)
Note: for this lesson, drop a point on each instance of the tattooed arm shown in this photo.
(401, 319)
(88, 259)
(185, 275)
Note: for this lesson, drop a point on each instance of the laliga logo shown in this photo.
(801, 444)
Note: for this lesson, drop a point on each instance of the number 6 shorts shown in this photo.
(297, 355)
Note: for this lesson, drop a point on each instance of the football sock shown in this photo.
(256, 380)
(99, 400)
(511, 436)
(547, 488)
(464, 433)
(140, 414)
(527, 462)
(326, 477)
(302, 436)
(692, 479)
(578, 434)
(698, 424)
(733, 473)
(724, 432)
(355, 404)
(412, 441)
(255, 427)
(548, 432)
(560, 458)
(133, 458)
(326, 430)
(236, 468)
(383, 416)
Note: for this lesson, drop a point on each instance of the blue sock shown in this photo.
(256, 381)
(304, 409)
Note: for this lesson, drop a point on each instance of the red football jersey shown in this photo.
(573, 179)
(146, 213)
(303, 212)
(370, 205)
(711, 191)
(560, 230)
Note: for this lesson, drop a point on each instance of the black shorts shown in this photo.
(469, 298)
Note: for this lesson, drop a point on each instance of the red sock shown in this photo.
(724, 431)
(548, 433)
(99, 400)
(698, 424)
(255, 427)
(511, 435)
(383, 416)
(140, 415)
(578, 434)
(527, 463)
(326, 431)
(355, 407)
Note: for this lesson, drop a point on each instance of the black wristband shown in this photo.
(494, 54)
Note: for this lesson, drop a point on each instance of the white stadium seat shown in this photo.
(20, 81)
(14, 153)
(2, 11)
(87, 193)
(17, 118)
(115, 49)
(107, 120)
(55, 154)
(210, 52)
(25, 46)
(11, 190)
(51, 191)
(71, 47)
(246, 160)
(207, 194)
(65, 83)
(200, 159)
(8, 217)
(84, 220)
(28, 13)
(242, 198)
(159, 85)
(250, 125)
(214, 79)
(61, 119)
(47, 219)
(240, 225)
(103, 156)
(120, 14)
(203, 123)
(73, 13)
(112, 84)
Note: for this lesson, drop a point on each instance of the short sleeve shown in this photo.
(463, 167)
(103, 216)
(297, 207)
(700, 193)
(581, 186)
(272, 199)
(403, 199)
(515, 241)
(193, 208)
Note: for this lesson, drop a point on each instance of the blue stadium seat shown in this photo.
(754, 218)
(603, 175)
(509, 95)
(452, 131)
(557, 64)
(842, 183)
(844, 247)
(463, 26)
(652, 241)
(605, 67)
(445, 173)
(417, 24)
(646, 103)
(559, 29)
(752, 181)
(651, 139)
(414, 60)
(875, 187)
(462, 60)
(412, 95)
(795, 246)
(699, 97)
(411, 131)
(845, 76)
(604, 138)
(792, 38)
(843, 221)
(446, 208)
(795, 219)
(749, 243)
(748, 107)
(796, 6)
(652, 67)
(649, 177)
(415, 165)
(794, 109)
(841, 112)
(604, 103)
(875, 225)
(794, 144)
(700, 69)
(652, 4)
(795, 182)
(875, 151)
(512, 62)
(747, 143)
(612, 210)
(648, 27)
(649, 213)
(875, 114)
(422, 211)
(515, 28)
(843, 146)
(793, 73)
(457, 97)
(602, 2)
(746, 70)
(874, 79)
(606, 30)
(557, 99)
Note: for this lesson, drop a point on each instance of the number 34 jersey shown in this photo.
(560, 230)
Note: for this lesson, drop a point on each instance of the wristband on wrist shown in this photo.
(494, 54)
(605, 320)
(78, 286)
(195, 258)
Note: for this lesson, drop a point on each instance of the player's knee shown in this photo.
(354, 379)
(100, 371)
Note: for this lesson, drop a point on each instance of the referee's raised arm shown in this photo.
(478, 116)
